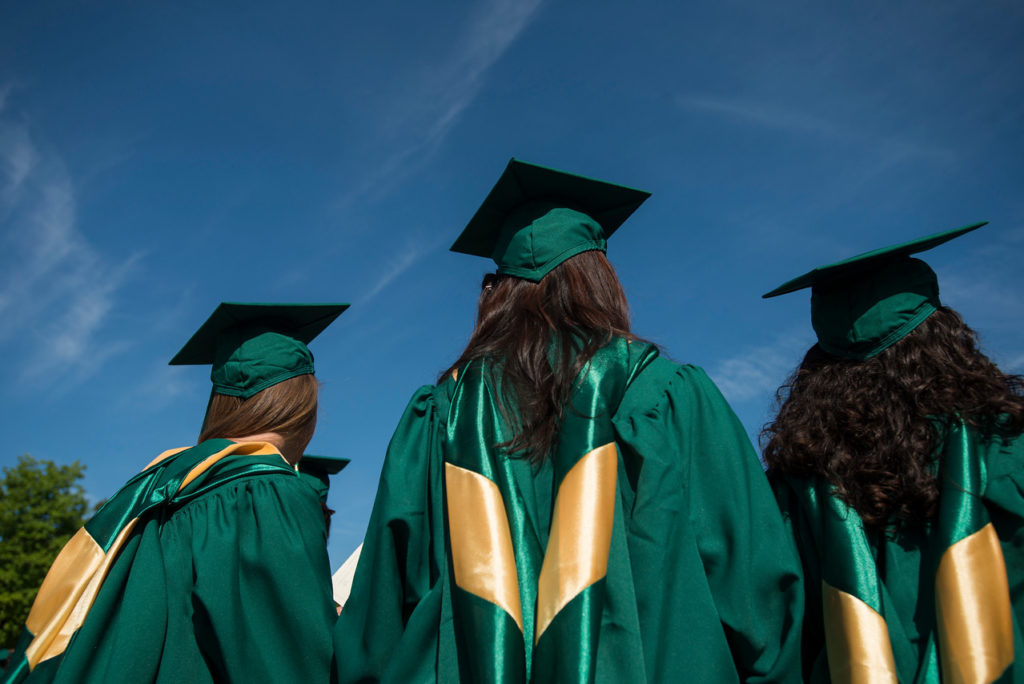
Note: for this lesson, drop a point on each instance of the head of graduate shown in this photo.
(264, 387)
(317, 471)
(554, 298)
(867, 408)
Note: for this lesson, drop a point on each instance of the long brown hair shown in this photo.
(287, 408)
(541, 335)
(870, 427)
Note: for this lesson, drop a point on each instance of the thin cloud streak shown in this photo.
(404, 260)
(762, 114)
(434, 107)
(759, 371)
(161, 386)
(402, 263)
(765, 115)
(56, 291)
(17, 161)
(985, 281)
(982, 293)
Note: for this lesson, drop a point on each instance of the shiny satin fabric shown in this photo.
(65, 596)
(560, 562)
(972, 598)
(857, 640)
(973, 610)
(581, 534)
(73, 581)
(972, 636)
(487, 633)
(482, 558)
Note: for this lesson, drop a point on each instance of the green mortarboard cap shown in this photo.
(316, 470)
(534, 218)
(862, 305)
(254, 346)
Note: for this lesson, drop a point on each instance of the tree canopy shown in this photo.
(41, 505)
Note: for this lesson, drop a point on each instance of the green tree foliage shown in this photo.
(41, 505)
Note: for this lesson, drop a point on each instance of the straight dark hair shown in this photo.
(539, 337)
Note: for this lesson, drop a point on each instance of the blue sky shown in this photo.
(156, 159)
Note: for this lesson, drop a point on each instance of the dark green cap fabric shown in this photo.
(254, 346)
(316, 470)
(862, 318)
(862, 305)
(535, 218)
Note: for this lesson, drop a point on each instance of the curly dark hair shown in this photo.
(872, 428)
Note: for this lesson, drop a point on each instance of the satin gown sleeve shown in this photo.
(390, 627)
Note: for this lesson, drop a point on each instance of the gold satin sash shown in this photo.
(972, 604)
(482, 557)
(581, 533)
(67, 593)
(856, 640)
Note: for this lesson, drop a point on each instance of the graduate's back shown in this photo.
(210, 564)
(564, 505)
(897, 457)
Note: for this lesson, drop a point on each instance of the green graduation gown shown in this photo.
(941, 603)
(210, 565)
(647, 548)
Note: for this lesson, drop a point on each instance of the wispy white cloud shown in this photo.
(987, 294)
(759, 371)
(403, 259)
(764, 114)
(17, 161)
(393, 269)
(858, 152)
(161, 385)
(56, 289)
(984, 283)
(487, 36)
(431, 108)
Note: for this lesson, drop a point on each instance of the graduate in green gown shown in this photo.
(897, 458)
(211, 564)
(565, 505)
(317, 471)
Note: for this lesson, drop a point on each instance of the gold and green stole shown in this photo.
(526, 610)
(76, 576)
(972, 640)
